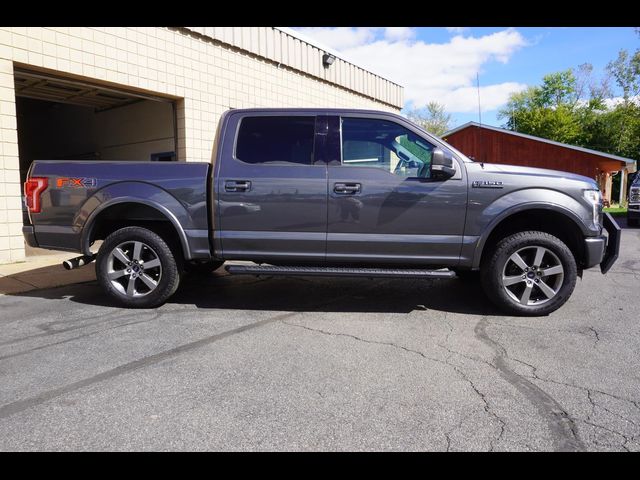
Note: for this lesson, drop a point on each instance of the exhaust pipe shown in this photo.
(78, 262)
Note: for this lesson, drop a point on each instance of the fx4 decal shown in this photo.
(76, 182)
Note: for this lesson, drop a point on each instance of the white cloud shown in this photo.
(398, 33)
(445, 72)
(611, 103)
(340, 38)
(465, 99)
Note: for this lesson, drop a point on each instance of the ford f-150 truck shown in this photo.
(633, 210)
(324, 192)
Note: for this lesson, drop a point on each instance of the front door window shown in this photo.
(385, 145)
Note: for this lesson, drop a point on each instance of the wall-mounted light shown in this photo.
(327, 59)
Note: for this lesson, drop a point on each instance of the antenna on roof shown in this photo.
(479, 109)
(479, 118)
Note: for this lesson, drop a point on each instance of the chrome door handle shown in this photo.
(347, 188)
(237, 186)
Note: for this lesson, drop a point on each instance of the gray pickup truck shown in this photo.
(633, 210)
(324, 192)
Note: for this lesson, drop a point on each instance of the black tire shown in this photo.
(632, 222)
(527, 244)
(167, 275)
(202, 268)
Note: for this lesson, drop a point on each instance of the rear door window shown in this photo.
(276, 140)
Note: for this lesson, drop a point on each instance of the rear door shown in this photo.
(271, 189)
(384, 208)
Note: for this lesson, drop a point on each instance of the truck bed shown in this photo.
(78, 191)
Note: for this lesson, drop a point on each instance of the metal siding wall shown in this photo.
(283, 48)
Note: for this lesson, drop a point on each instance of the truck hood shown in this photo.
(499, 169)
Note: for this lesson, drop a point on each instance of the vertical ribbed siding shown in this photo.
(283, 48)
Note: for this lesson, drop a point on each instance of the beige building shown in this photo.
(152, 93)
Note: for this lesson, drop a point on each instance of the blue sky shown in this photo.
(441, 63)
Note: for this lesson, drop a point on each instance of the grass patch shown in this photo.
(616, 211)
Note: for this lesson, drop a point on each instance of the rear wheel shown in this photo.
(529, 273)
(136, 268)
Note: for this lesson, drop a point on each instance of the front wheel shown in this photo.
(136, 268)
(529, 273)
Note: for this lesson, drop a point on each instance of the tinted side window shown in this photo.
(385, 145)
(276, 140)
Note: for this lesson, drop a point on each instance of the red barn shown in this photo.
(496, 145)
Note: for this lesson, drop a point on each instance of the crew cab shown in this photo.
(324, 192)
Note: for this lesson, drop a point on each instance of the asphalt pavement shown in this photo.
(245, 363)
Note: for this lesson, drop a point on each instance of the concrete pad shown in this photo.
(41, 272)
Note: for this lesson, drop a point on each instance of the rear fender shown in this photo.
(135, 192)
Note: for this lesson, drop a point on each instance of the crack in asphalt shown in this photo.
(448, 434)
(595, 332)
(599, 443)
(589, 394)
(561, 424)
(473, 359)
(600, 330)
(535, 376)
(456, 368)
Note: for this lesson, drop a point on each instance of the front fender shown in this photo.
(134, 192)
(482, 222)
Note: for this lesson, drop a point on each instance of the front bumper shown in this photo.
(603, 250)
(633, 211)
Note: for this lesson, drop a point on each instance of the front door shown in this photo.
(384, 207)
(272, 191)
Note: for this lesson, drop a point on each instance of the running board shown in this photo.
(338, 271)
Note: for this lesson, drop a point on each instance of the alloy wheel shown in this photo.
(134, 269)
(532, 275)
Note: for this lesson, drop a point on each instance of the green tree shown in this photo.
(623, 120)
(432, 118)
(573, 107)
(550, 110)
(626, 71)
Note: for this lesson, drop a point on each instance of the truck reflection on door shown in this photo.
(349, 207)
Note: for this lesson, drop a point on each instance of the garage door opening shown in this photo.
(63, 119)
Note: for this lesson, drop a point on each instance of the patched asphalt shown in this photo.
(244, 363)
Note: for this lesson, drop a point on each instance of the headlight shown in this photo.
(594, 197)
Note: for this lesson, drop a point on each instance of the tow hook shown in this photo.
(78, 262)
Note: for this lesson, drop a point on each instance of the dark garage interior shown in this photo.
(62, 119)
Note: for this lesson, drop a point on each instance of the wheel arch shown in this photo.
(553, 219)
(129, 211)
